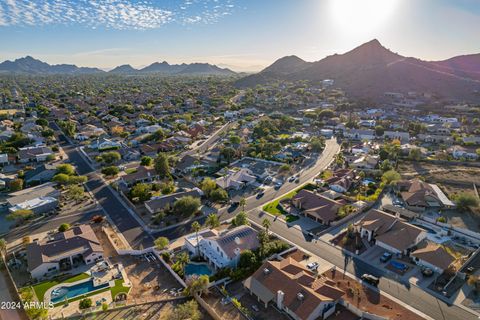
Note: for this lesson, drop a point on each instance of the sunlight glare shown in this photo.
(361, 17)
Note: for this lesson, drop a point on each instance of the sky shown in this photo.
(244, 35)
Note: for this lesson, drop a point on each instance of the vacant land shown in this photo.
(452, 179)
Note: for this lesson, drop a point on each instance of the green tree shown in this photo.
(66, 168)
(196, 227)
(415, 154)
(142, 191)
(207, 186)
(465, 201)
(248, 259)
(379, 131)
(186, 206)
(20, 214)
(391, 177)
(162, 167)
(61, 178)
(219, 195)
(167, 187)
(212, 221)
(110, 171)
(16, 185)
(85, 303)
(110, 157)
(161, 243)
(197, 284)
(235, 140)
(243, 203)
(266, 224)
(63, 227)
(228, 153)
(240, 219)
(75, 192)
(146, 161)
(69, 127)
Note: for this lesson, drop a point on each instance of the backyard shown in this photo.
(275, 208)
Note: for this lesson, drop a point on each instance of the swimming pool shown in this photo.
(198, 269)
(367, 181)
(62, 293)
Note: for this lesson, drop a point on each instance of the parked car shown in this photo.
(371, 279)
(427, 272)
(397, 202)
(385, 257)
(312, 265)
(291, 179)
(278, 185)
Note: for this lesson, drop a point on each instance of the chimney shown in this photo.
(280, 297)
(300, 296)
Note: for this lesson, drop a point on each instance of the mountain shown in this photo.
(205, 69)
(278, 69)
(370, 70)
(34, 66)
(163, 67)
(125, 68)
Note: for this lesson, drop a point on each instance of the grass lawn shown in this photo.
(291, 218)
(118, 288)
(42, 287)
(274, 206)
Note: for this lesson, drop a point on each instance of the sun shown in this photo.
(361, 16)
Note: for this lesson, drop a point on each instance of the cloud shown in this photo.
(113, 14)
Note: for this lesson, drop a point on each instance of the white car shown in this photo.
(312, 265)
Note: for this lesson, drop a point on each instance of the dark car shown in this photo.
(386, 256)
(427, 272)
(371, 279)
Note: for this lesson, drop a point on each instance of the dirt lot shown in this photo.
(452, 180)
(366, 299)
(150, 280)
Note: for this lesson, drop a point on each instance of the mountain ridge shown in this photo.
(30, 65)
(370, 70)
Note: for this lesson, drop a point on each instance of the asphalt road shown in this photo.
(306, 175)
(118, 213)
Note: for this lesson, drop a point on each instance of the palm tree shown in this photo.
(212, 221)
(243, 203)
(196, 227)
(266, 224)
(3, 247)
(183, 259)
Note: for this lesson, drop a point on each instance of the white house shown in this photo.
(222, 249)
(63, 251)
(104, 144)
(4, 159)
(236, 179)
(360, 134)
(400, 135)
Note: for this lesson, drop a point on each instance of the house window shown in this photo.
(88, 260)
(52, 268)
(221, 253)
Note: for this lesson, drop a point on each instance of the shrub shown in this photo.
(85, 303)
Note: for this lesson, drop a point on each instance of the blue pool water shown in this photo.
(198, 269)
(367, 181)
(74, 291)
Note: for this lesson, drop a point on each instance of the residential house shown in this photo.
(459, 152)
(104, 144)
(471, 140)
(189, 163)
(142, 174)
(33, 154)
(294, 289)
(4, 159)
(223, 249)
(39, 199)
(365, 162)
(434, 138)
(63, 250)
(432, 255)
(317, 207)
(360, 134)
(89, 131)
(236, 179)
(40, 174)
(419, 195)
(341, 180)
(399, 135)
(390, 232)
(157, 204)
